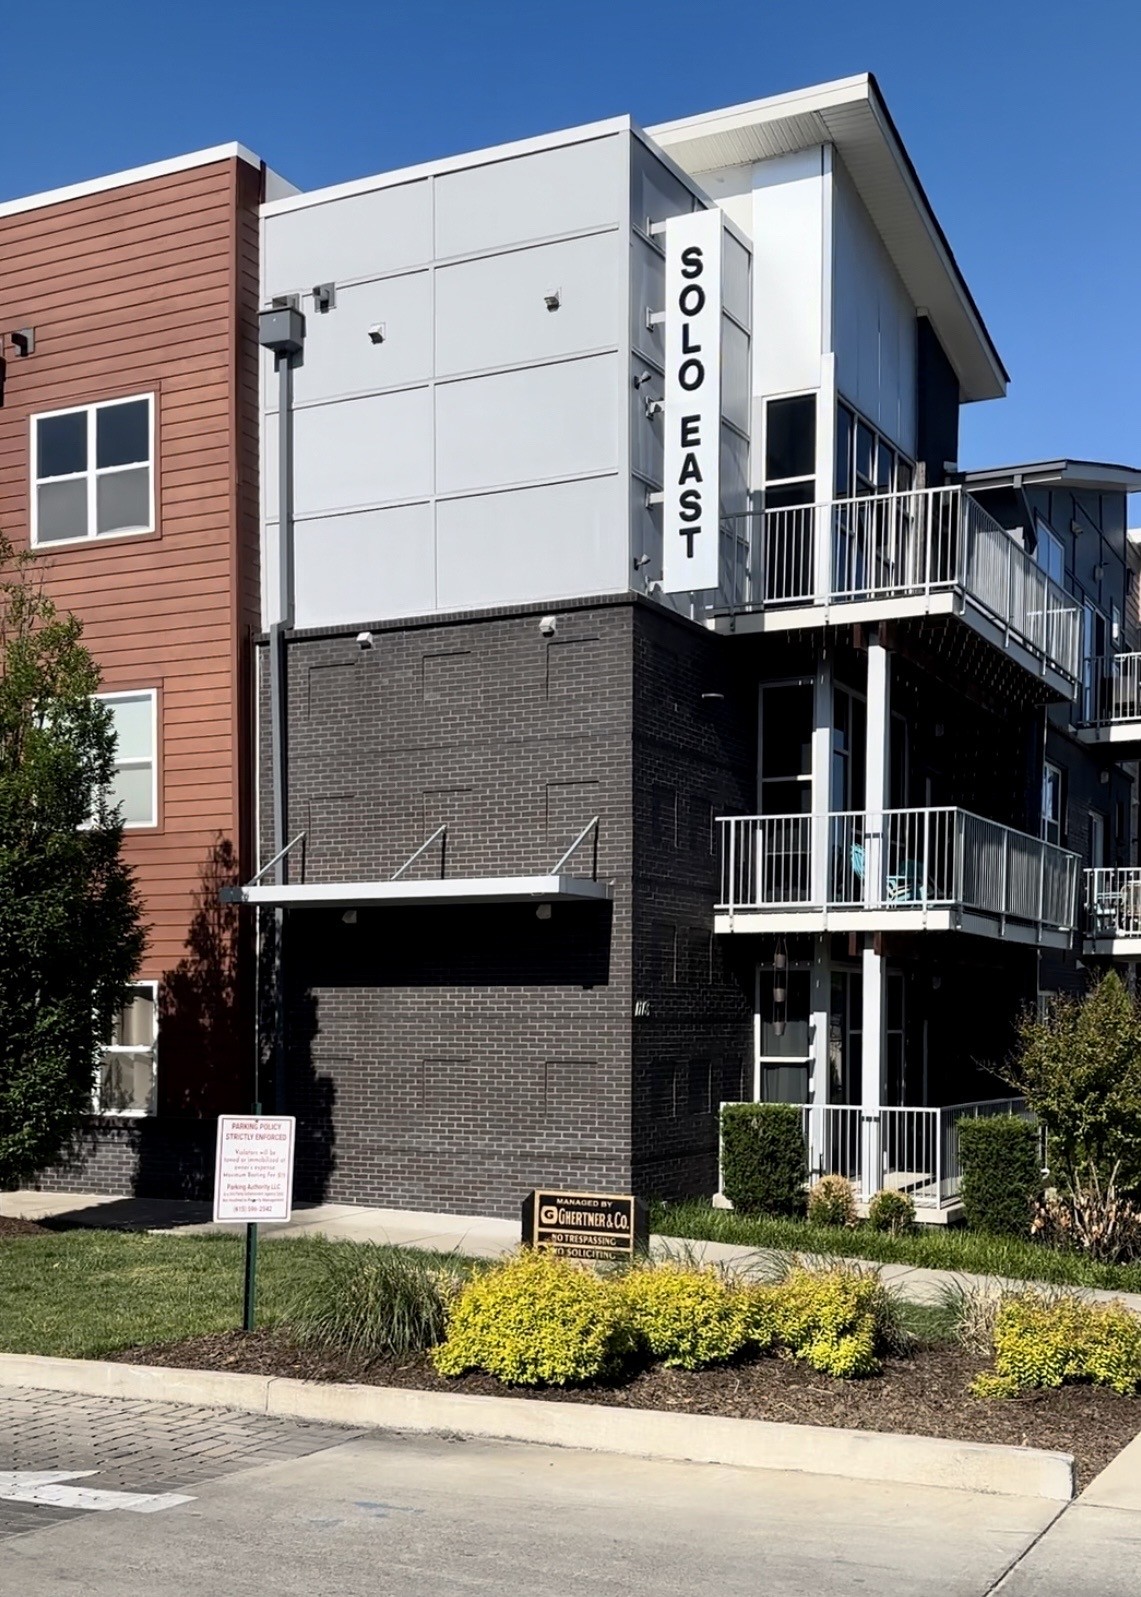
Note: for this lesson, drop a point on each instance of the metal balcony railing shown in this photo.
(913, 1150)
(893, 546)
(901, 859)
(1112, 690)
(1113, 902)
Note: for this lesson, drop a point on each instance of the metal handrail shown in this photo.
(281, 853)
(589, 827)
(441, 831)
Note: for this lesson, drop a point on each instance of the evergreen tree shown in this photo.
(71, 935)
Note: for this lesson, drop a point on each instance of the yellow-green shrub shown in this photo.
(687, 1318)
(1044, 1342)
(832, 1201)
(830, 1320)
(533, 1320)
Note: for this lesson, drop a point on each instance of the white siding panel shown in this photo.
(340, 357)
(787, 273)
(874, 322)
(534, 544)
(371, 566)
(563, 190)
(356, 453)
(492, 312)
(360, 236)
(522, 426)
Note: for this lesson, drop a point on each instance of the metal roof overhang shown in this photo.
(851, 115)
(1093, 476)
(444, 890)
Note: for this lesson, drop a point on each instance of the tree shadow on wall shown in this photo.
(307, 1092)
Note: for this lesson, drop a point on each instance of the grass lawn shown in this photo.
(930, 1247)
(81, 1294)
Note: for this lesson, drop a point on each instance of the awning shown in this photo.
(442, 890)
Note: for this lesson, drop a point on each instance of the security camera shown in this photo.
(376, 333)
(364, 640)
(548, 626)
(643, 377)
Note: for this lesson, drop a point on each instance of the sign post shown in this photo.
(599, 1226)
(253, 1182)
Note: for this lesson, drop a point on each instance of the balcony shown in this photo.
(930, 552)
(1113, 912)
(903, 870)
(1111, 704)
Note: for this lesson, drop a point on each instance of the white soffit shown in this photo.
(851, 115)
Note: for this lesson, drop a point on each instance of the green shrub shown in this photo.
(892, 1211)
(832, 1202)
(1002, 1176)
(372, 1301)
(537, 1320)
(1040, 1341)
(830, 1319)
(687, 1318)
(763, 1162)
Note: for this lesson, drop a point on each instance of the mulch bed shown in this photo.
(11, 1227)
(924, 1395)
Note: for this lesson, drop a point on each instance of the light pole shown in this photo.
(281, 329)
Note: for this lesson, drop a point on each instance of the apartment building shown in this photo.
(591, 824)
(642, 709)
(129, 463)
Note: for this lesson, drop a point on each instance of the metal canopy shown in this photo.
(432, 890)
(440, 890)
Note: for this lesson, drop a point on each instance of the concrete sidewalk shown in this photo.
(475, 1235)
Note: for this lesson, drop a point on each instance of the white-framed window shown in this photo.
(1049, 551)
(1052, 804)
(93, 471)
(135, 782)
(127, 1071)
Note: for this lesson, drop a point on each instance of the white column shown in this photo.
(821, 774)
(876, 766)
(877, 769)
(872, 1071)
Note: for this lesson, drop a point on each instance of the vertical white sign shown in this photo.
(691, 508)
(253, 1167)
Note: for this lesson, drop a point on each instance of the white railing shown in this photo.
(1113, 902)
(889, 546)
(912, 1150)
(900, 859)
(1112, 690)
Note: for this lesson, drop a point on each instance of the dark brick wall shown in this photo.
(694, 759)
(158, 1158)
(455, 1057)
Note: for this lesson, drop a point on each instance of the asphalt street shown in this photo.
(275, 1506)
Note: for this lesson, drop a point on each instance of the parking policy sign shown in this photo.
(253, 1169)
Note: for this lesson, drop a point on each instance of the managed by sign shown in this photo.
(692, 491)
(586, 1225)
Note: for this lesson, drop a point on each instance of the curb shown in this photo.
(638, 1433)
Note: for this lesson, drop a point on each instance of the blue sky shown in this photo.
(1021, 119)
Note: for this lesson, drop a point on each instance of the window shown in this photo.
(1049, 551)
(790, 451)
(867, 462)
(1052, 804)
(134, 784)
(92, 473)
(126, 1084)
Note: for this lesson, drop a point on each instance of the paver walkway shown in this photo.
(477, 1235)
